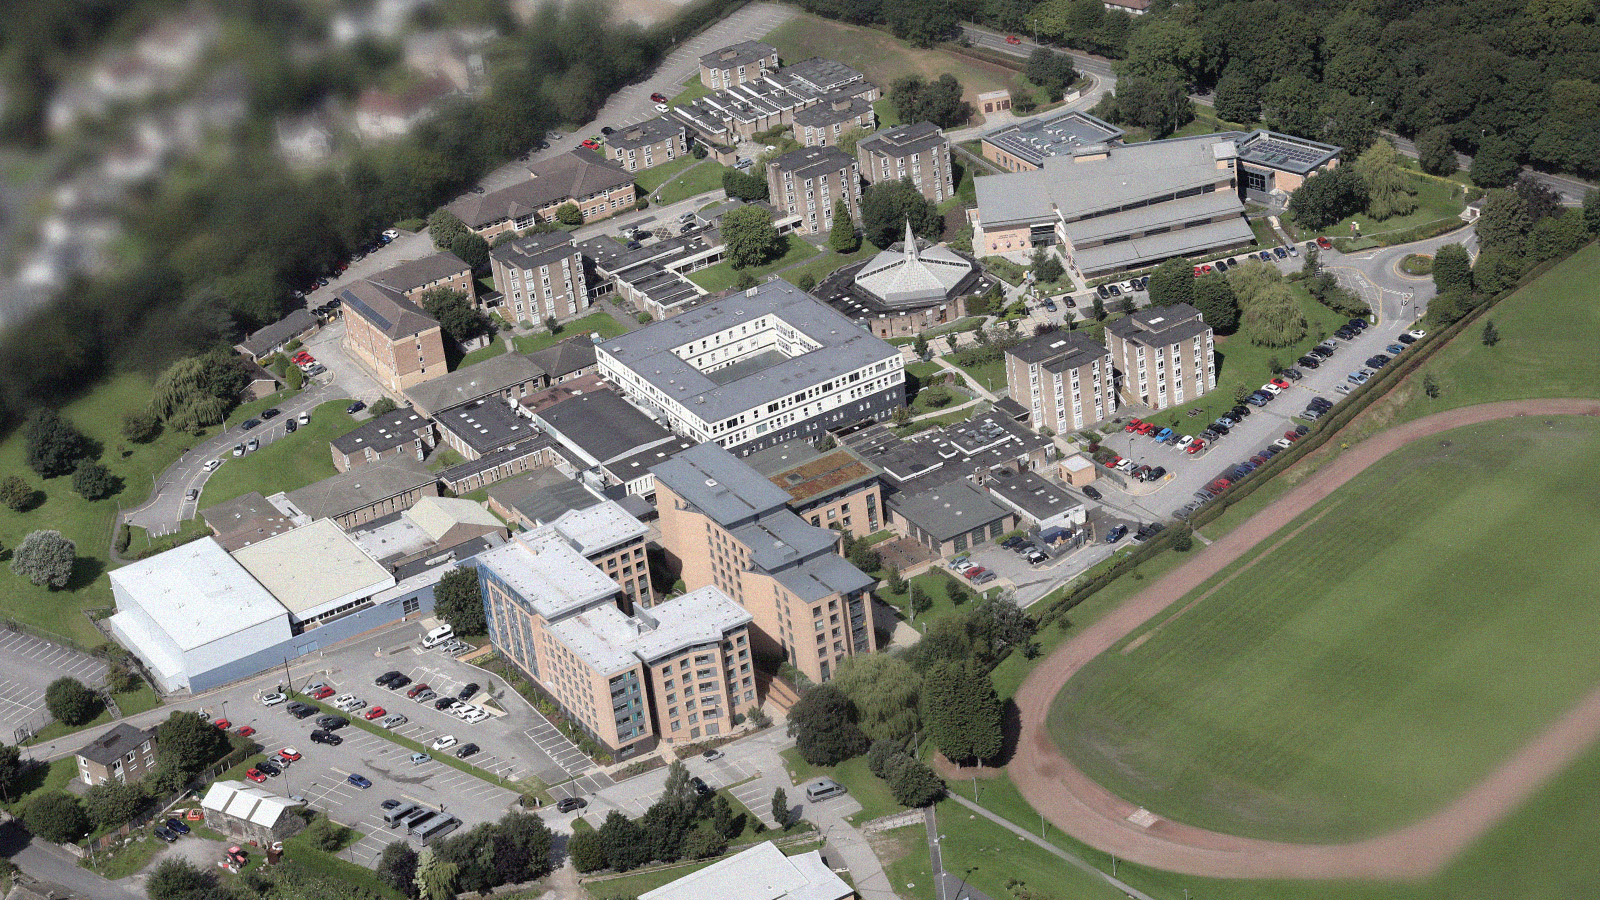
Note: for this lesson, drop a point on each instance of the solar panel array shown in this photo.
(1275, 151)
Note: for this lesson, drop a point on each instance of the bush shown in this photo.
(16, 494)
(141, 426)
(326, 834)
(913, 784)
(569, 214)
(71, 702)
(56, 816)
(112, 803)
(93, 481)
(45, 557)
(382, 406)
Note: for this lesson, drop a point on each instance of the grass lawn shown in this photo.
(904, 854)
(693, 90)
(868, 789)
(881, 57)
(299, 849)
(139, 700)
(597, 321)
(655, 176)
(1436, 199)
(830, 262)
(888, 116)
(991, 374)
(98, 414)
(1265, 235)
(129, 858)
(1425, 676)
(949, 418)
(934, 585)
(286, 464)
(722, 275)
(495, 348)
(990, 858)
(701, 179)
(53, 777)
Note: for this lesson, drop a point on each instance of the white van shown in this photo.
(822, 789)
(437, 636)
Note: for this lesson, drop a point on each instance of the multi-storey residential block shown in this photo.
(124, 754)
(829, 489)
(648, 143)
(737, 64)
(625, 680)
(728, 526)
(832, 117)
(540, 276)
(756, 369)
(807, 181)
(1163, 355)
(918, 152)
(600, 189)
(1064, 379)
(391, 336)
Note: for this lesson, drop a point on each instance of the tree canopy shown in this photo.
(45, 558)
(458, 318)
(884, 690)
(915, 99)
(1172, 282)
(1158, 105)
(200, 390)
(458, 600)
(1050, 70)
(1217, 304)
(1388, 187)
(52, 444)
(888, 205)
(71, 701)
(823, 723)
(964, 716)
(751, 238)
(1326, 197)
(188, 743)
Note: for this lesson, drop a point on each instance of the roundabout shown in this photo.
(1319, 779)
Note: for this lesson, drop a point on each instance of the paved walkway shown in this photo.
(972, 383)
(1090, 813)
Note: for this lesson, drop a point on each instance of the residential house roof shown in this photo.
(383, 433)
(269, 338)
(110, 747)
(473, 382)
(569, 176)
(386, 309)
(565, 357)
(408, 276)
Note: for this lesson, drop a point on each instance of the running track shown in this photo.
(1092, 814)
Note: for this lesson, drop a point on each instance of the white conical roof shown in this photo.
(913, 275)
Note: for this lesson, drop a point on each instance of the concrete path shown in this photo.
(972, 383)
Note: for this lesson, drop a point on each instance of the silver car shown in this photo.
(393, 720)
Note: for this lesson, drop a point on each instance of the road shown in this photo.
(47, 862)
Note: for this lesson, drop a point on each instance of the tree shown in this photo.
(884, 691)
(111, 803)
(586, 852)
(1388, 188)
(1160, 106)
(842, 237)
(1097, 310)
(1504, 224)
(704, 841)
(1430, 386)
(997, 625)
(458, 600)
(623, 841)
(1495, 163)
(1556, 236)
(742, 186)
(524, 843)
(1591, 210)
(887, 206)
(293, 378)
(55, 816)
(1326, 197)
(45, 558)
(1172, 282)
(569, 214)
(189, 743)
(178, 879)
(823, 724)
(197, 391)
(94, 481)
(1452, 268)
(1272, 318)
(751, 238)
(1292, 104)
(1539, 198)
(916, 99)
(1047, 267)
(895, 583)
(1436, 152)
(963, 713)
(140, 426)
(1183, 539)
(912, 783)
(920, 603)
(1237, 97)
(436, 877)
(326, 834)
(444, 228)
(1050, 70)
(1217, 304)
(745, 282)
(472, 249)
(382, 406)
(1491, 334)
(397, 867)
(780, 809)
(70, 701)
(458, 318)
(53, 445)
(11, 770)
(15, 493)
(552, 326)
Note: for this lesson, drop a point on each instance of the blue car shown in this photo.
(1396, 349)
(1164, 435)
(359, 781)
(176, 826)
(1117, 534)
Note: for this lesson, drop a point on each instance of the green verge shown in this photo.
(287, 464)
(601, 322)
(649, 179)
(701, 179)
(723, 275)
(868, 789)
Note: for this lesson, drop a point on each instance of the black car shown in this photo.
(468, 691)
(164, 834)
(396, 684)
(606, 130)
(1358, 323)
(1293, 374)
(1091, 493)
(568, 804)
(1222, 265)
(443, 702)
(355, 407)
(333, 723)
(700, 786)
(1406, 339)
(268, 768)
(251, 423)
(1220, 428)
(1240, 412)
(1308, 361)
(326, 737)
(271, 413)
(389, 804)
(384, 679)
(1013, 542)
(1117, 534)
(1103, 291)
(466, 751)
(1302, 430)
(291, 426)
(1158, 472)
(300, 710)
(1115, 291)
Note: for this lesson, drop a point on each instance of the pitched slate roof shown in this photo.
(386, 309)
(571, 175)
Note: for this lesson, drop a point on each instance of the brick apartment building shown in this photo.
(919, 152)
(391, 336)
(806, 182)
(540, 276)
(740, 63)
(647, 144)
(731, 528)
(438, 270)
(124, 754)
(835, 115)
(599, 188)
(1064, 379)
(1163, 355)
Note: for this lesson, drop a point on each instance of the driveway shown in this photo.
(27, 666)
(166, 511)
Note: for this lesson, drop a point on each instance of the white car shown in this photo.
(1128, 288)
(212, 465)
(1185, 441)
(1272, 389)
(273, 699)
(1342, 388)
(444, 743)
(462, 711)
(392, 233)
(962, 564)
(475, 716)
(1419, 334)
(1283, 443)
(342, 699)
(662, 107)
(305, 418)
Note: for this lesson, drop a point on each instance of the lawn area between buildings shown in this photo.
(649, 179)
(881, 57)
(699, 179)
(1437, 199)
(868, 789)
(288, 463)
(1383, 599)
(723, 275)
(829, 262)
(496, 347)
(600, 322)
(935, 585)
(98, 414)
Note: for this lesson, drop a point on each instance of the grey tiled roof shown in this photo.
(571, 175)
(408, 276)
(809, 162)
(387, 309)
(903, 140)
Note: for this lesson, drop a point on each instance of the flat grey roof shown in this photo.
(702, 616)
(903, 140)
(949, 509)
(535, 250)
(548, 573)
(565, 357)
(1068, 349)
(1155, 325)
(1146, 249)
(487, 425)
(361, 487)
(720, 485)
(844, 348)
(740, 54)
(637, 465)
(468, 384)
(840, 107)
(603, 425)
(809, 162)
(1039, 139)
(542, 495)
(1027, 491)
(385, 432)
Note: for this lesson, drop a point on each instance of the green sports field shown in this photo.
(1409, 633)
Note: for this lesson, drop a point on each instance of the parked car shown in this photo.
(569, 804)
(417, 689)
(212, 465)
(355, 407)
(384, 679)
(658, 98)
(1324, 243)
(1090, 492)
(272, 699)
(443, 742)
(467, 750)
(377, 712)
(418, 759)
(245, 731)
(359, 781)
(326, 737)
(398, 683)
(394, 720)
(322, 693)
(1116, 534)
(426, 695)
(269, 768)
(467, 691)
(1395, 349)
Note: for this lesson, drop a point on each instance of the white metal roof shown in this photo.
(197, 593)
(760, 873)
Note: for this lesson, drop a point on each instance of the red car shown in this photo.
(1133, 425)
(322, 693)
(1194, 447)
(1282, 383)
(1112, 462)
(1205, 268)
(973, 573)
(1291, 435)
(1324, 243)
(300, 357)
(256, 776)
(289, 753)
(417, 689)
(245, 731)
(377, 712)
(1013, 39)
(589, 144)
(223, 724)
(1197, 271)
(658, 98)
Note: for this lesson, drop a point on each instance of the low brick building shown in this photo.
(403, 432)
(599, 188)
(648, 143)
